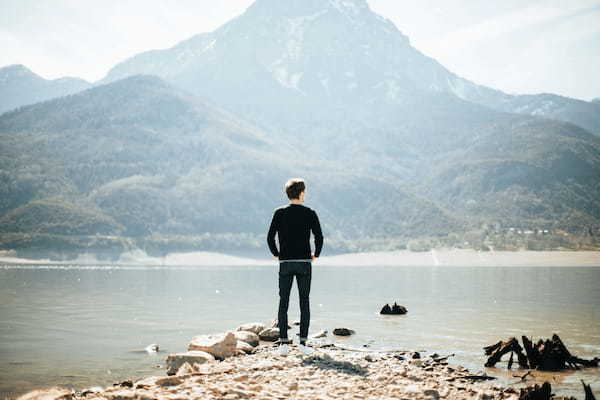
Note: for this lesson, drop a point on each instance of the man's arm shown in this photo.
(271, 235)
(316, 230)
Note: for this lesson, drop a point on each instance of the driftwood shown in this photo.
(544, 392)
(588, 391)
(536, 392)
(501, 348)
(545, 355)
(478, 377)
(523, 377)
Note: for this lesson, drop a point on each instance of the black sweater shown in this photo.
(294, 223)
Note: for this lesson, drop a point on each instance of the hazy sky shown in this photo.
(518, 46)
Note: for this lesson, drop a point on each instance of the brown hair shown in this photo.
(294, 187)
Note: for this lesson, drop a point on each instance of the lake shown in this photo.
(79, 326)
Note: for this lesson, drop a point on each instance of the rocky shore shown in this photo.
(329, 373)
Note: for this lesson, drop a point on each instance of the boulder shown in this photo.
(243, 347)
(246, 336)
(220, 345)
(343, 331)
(397, 309)
(386, 309)
(393, 310)
(269, 334)
(254, 327)
(176, 360)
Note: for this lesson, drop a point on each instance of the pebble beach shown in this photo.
(328, 373)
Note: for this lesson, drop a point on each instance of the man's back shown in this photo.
(293, 223)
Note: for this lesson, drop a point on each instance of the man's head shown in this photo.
(295, 188)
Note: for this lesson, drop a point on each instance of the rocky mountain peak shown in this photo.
(296, 8)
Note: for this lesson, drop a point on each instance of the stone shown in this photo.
(320, 334)
(169, 381)
(433, 394)
(176, 360)
(220, 345)
(269, 334)
(246, 336)
(185, 369)
(343, 331)
(275, 324)
(393, 310)
(386, 309)
(254, 327)
(54, 393)
(244, 347)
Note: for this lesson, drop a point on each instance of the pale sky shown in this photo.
(518, 46)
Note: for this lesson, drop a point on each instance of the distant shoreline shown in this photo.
(441, 258)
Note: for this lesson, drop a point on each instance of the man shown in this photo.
(293, 223)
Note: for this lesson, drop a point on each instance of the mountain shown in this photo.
(189, 147)
(19, 86)
(334, 75)
(139, 158)
(318, 58)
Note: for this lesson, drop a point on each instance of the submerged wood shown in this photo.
(536, 392)
(588, 391)
(501, 348)
(545, 355)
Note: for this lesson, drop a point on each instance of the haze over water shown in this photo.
(78, 326)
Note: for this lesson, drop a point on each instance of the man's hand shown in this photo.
(312, 257)
(276, 257)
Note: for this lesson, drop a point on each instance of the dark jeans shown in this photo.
(302, 270)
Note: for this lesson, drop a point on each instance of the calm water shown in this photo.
(77, 327)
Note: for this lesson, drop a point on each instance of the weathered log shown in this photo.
(490, 349)
(550, 360)
(588, 391)
(546, 355)
(533, 354)
(479, 377)
(536, 392)
(504, 347)
(498, 351)
(523, 377)
(586, 363)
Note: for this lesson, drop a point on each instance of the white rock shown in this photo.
(220, 345)
(246, 336)
(254, 327)
(269, 334)
(244, 347)
(175, 361)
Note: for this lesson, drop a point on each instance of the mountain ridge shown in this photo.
(194, 143)
(20, 86)
(289, 72)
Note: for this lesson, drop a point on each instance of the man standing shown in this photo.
(294, 222)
